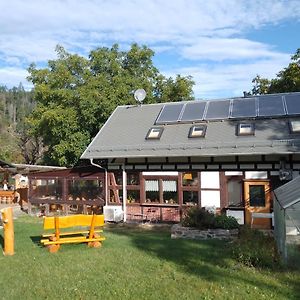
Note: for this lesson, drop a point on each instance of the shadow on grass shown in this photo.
(210, 260)
(2, 242)
(37, 240)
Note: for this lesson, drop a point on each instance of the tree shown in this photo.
(287, 80)
(261, 85)
(15, 104)
(30, 145)
(76, 95)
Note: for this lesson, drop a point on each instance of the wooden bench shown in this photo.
(54, 239)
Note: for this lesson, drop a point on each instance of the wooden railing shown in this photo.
(48, 203)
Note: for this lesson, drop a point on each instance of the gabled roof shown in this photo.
(124, 135)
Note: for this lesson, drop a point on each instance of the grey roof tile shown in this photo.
(123, 136)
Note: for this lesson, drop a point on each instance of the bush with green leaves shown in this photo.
(226, 222)
(255, 249)
(202, 219)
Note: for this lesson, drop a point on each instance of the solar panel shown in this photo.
(243, 108)
(270, 106)
(293, 104)
(193, 111)
(217, 110)
(169, 113)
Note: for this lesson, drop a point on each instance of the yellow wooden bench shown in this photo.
(54, 239)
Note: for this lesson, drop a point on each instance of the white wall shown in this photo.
(210, 180)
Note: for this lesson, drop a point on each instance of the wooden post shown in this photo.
(91, 235)
(57, 232)
(8, 229)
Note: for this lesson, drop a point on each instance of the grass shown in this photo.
(135, 264)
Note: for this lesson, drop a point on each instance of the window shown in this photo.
(169, 191)
(85, 190)
(133, 178)
(133, 187)
(197, 131)
(152, 191)
(47, 189)
(190, 197)
(294, 126)
(159, 190)
(257, 195)
(133, 196)
(234, 188)
(154, 133)
(190, 179)
(245, 129)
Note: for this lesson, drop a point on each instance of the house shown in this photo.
(227, 154)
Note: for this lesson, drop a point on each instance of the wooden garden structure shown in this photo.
(7, 193)
(77, 190)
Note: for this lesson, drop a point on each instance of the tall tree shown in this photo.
(287, 80)
(76, 95)
(15, 104)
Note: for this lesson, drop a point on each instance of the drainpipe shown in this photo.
(124, 177)
(106, 183)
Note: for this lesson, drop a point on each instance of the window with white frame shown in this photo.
(154, 133)
(245, 129)
(294, 126)
(197, 131)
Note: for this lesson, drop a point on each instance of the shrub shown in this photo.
(203, 219)
(226, 222)
(254, 249)
(199, 218)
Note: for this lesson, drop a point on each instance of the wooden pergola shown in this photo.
(79, 190)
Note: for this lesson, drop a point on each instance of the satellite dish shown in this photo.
(139, 95)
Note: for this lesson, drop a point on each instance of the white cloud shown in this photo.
(13, 76)
(160, 20)
(219, 49)
(225, 80)
(191, 29)
(33, 48)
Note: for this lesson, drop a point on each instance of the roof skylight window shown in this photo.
(245, 129)
(154, 133)
(197, 131)
(295, 126)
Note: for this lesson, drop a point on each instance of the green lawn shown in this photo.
(135, 264)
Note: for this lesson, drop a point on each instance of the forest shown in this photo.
(73, 97)
(16, 143)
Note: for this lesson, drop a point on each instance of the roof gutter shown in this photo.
(124, 175)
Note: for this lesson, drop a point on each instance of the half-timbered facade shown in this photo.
(237, 150)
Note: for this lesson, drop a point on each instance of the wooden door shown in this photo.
(257, 198)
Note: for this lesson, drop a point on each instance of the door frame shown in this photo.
(264, 223)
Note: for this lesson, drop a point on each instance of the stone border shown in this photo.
(178, 231)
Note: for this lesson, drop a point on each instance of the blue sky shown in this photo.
(222, 44)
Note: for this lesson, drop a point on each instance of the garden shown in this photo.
(143, 263)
